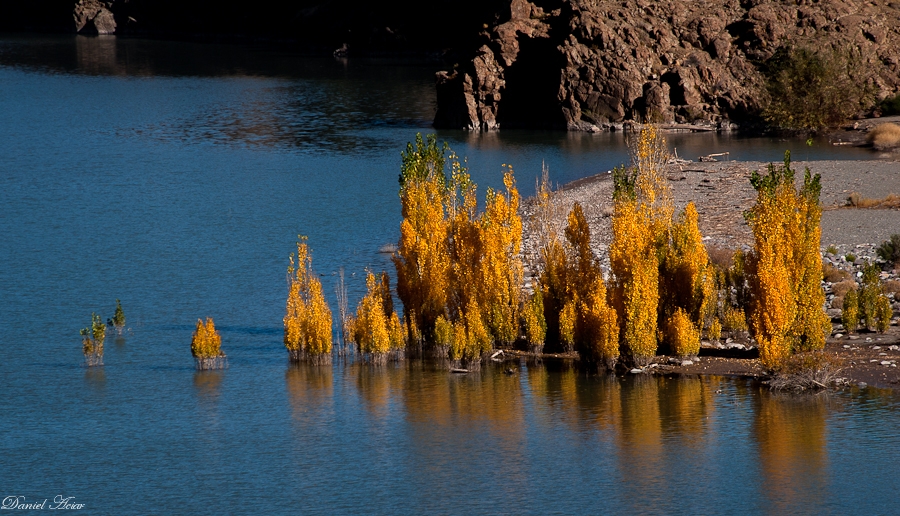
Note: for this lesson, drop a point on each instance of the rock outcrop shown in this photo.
(591, 65)
(94, 17)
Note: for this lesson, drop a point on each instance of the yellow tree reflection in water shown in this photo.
(685, 407)
(310, 391)
(640, 438)
(793, 457)
(378, 385)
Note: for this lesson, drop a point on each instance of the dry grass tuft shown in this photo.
(837, 302)
(892, 287)
(806, 371)
(885, 137)
(858, 201)
(840, 289)
(833, 274)
(720, 257)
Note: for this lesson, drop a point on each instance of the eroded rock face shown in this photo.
(94, 17)
(594, 64)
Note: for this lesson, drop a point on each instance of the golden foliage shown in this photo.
(687, 278)
(635, 268)
(307, 321)
(715, 329)
(453, 263)
(787, 312)
(598, 327)
(206, 341)
(501, 275)
(850, 311)
(567, 326)
(883, 313)
(470, 336)
(376, 328)
(423, 257)
(683, 336)
(734, 319)
(535, 324)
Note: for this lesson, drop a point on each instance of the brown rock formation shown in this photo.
(93, 17)
(594, 64)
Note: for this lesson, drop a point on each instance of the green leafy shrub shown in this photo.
(92, 341)
(811, 90)
(117, 321)
(889, 250)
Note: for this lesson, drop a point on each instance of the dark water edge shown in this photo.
(125, 175)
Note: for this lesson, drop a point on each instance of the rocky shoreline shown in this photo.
(722, 192)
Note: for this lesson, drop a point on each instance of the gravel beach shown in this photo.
(722, 193)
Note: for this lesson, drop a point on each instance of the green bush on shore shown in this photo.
(811, 90)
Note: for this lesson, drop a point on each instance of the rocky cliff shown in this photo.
(593, 64)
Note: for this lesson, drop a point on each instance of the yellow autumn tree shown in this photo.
(596, 330)
(785, 268)
(534, 322)
(501, 277)
(642, 219)
(206, 346)
(422, 259)
(471, 339)
(376, 328)
(307, 321)
(455, 265)
(552, 267)
(687, 281)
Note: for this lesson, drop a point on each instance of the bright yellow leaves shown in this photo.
(376, 329)
(307, 321)
(785, 267)
(635, 269)
(459, 273)
(660, 266)
(683, 336)
(206, 345)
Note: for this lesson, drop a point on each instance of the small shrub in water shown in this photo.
(117, 321)
(206, 346)
(92, 341)
(307, 319)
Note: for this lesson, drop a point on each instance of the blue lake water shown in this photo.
(177, 176)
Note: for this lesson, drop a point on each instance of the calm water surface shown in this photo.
(176, 177)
